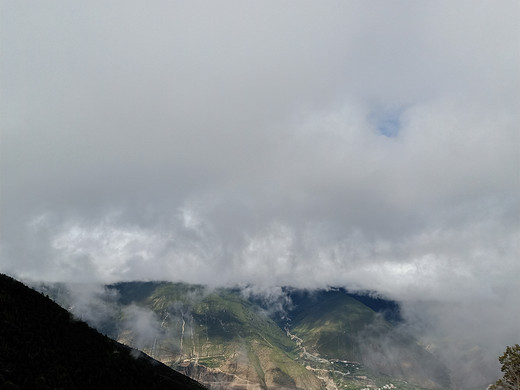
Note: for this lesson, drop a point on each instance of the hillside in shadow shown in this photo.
(43, 347)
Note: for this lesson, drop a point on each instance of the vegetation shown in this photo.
(510, 361)
(43, 347)
(323, 338)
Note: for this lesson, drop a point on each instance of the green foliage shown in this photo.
(510, 361)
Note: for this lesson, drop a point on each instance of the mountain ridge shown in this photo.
(240, 328)
(230, 338)
(42, 347)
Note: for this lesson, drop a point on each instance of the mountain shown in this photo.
(322, 339)
(338, 326)
(217, 337)
(43, 347)
(230, 339)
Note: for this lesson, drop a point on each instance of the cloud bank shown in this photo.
(367, 145)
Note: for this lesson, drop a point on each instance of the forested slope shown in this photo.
(43, 347)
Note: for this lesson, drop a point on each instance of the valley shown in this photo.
(227, 340)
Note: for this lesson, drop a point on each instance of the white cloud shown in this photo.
(241, 143)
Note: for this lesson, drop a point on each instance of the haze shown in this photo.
(369, 145)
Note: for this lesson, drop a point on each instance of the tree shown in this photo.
(510, 361)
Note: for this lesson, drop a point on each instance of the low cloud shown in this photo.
(140, 327)
(365, 145)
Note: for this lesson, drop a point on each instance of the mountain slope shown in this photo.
(336, 326)
(219, 338)
(43, 347)
(229, 339)
(326, 339)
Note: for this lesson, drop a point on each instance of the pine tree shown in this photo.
(510, 361)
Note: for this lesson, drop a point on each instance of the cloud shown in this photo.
(142, 326)
(373, 146)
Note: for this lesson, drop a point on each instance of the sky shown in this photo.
(372, 145)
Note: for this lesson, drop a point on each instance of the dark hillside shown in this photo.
(302, 298)
(42, 347)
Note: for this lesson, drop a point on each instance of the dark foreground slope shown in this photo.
(42, 347)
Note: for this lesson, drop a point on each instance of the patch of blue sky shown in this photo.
(387, 123)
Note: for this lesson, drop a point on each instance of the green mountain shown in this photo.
(325, 339)
(226, 339)
(43, 347)
(217, 337)
(338, 327)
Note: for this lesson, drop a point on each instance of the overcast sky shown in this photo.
(367, 144)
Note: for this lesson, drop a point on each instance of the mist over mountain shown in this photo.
(231, 338)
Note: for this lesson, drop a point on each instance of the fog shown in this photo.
(372, 146)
